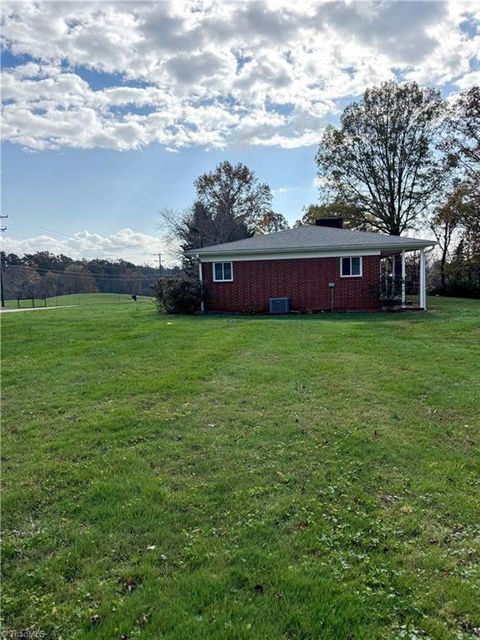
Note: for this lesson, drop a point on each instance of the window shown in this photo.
(222, 272)
(351, 267)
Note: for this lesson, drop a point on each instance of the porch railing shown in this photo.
(391, 287)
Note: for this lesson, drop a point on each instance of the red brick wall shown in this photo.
(304, 281)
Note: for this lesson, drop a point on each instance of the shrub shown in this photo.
(178, 295)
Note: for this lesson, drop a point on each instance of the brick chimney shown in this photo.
(337, 223)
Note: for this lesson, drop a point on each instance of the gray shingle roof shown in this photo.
(313, 238)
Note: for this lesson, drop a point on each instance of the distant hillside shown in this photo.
(45, 274)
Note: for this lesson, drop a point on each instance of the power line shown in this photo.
(20, 223)
(75, 238)
(84, 273)
(130, 258)
(13, 236)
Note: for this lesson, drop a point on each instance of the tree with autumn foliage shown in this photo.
(382, 160)
(456, 226)
(447, 221)
(234, 191)
(230, 204)
(463, 136)
(271, 222)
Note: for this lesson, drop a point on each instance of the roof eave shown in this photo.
(421, 244)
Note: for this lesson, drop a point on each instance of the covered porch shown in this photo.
(403, 279)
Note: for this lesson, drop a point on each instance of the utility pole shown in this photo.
(159, 262)
(2, 295)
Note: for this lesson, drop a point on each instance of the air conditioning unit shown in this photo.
(279, 305)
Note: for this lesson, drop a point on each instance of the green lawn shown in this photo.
(83, 299)
(222, 478)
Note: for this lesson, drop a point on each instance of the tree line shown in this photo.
(401, 159)
(44, 274)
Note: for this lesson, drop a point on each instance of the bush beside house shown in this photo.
(178, 295)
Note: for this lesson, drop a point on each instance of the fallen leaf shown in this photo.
(130, 584)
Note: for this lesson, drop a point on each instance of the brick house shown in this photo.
(309, 268)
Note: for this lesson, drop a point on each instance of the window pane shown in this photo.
(355, 266)
(345, 266)
(218, 271)
(227, 270)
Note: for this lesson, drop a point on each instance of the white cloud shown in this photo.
(469, 80)
(136, 247)
(212, 73)
(281, 190)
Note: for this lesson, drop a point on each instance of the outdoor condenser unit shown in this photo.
(279, 305)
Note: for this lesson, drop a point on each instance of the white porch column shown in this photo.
(423, 281)
(403, 279)
(200, 277)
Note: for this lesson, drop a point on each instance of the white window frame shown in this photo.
(222, 262)
(356, 275)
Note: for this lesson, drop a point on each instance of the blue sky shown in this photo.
(97, 187)
(111, 110)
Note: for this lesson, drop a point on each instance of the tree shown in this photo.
(471, 241)
(230, 204)
(10, 259)
(203, 226)
(382, 160)
(271, 222)
(24, 282)
(200, 227)
(233, 191)
(463, 137)
(446, 222)
(46, 261)
(51, 285)
(456, 225)
(77, 279)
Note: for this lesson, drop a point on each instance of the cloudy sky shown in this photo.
(111, 109)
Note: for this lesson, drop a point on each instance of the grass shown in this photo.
(83, 299)
(220, 478)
